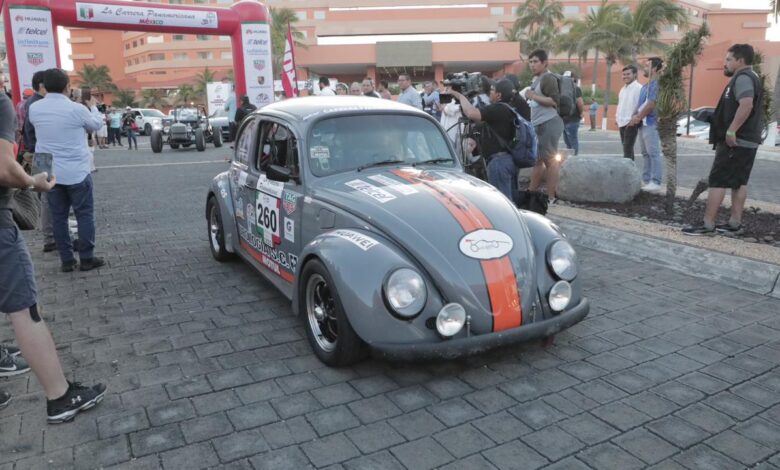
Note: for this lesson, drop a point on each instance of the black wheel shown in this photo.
(147, 129)
(216, 232)
(174, 146)
(327, 327)
(217, 137)
(200, 140)
(156, 141)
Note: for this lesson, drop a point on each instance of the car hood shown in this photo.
(460, 230)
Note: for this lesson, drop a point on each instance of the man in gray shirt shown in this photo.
(408, 94)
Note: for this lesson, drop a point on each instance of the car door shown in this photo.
(139, 119)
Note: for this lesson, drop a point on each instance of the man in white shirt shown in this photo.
(325, 87)
(60, 126)
(628, 102)
(408, 94)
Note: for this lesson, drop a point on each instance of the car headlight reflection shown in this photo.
(562, 260)
(560, 296)
(450, 319)
(406, 292)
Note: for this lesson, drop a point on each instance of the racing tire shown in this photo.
(216, 232)
(200, 140)
(147, 129)
(156, 141)
(174, 146)
(328, 330)
(217, 138)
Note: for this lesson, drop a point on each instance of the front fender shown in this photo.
(221, 190)
(359, 274)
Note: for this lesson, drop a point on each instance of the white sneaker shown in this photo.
(651, 187)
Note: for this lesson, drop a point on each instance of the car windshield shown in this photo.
(186, 114)
(152, 113)
(355, 142)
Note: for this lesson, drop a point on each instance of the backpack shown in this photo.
(524, 147)
(567, 106)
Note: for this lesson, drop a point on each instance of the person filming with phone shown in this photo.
(59, 127)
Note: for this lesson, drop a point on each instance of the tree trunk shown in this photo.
(667, 131)
(595, 64)
(606, 92)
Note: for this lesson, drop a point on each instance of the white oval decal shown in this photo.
(486, 244)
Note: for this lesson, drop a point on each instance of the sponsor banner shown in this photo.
(404, 189)
(364, 242)
(374, 192)
(280, 262)
(87, 12)
(217, 94)
(32, 31)
(256, 39)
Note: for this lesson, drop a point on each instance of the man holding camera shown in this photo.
(498, 116)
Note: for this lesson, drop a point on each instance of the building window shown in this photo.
(496, 11)
(319, 15)
(153, 57)
(129, 63)
(135, 61)
(571, 10)
(205, 55)
(224, 38)
(202, 37)
(156, 39)
(178, 37)
(225, 1)
(175, 2)
(200, 1)
(141, 41)
(135, 43)
(158, 72)
(226, 56)
(180, 56)
(301, 15)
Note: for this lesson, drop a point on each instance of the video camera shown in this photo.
(468, 84)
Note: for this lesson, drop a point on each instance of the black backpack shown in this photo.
(567, 106)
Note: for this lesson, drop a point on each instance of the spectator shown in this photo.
(408, 94)
(450, 118)
(102, 133)
(20, 113)
(648, 134)
(245, 110)
(543, 97)
(735, 131)
(341, 89)
(592, 110)
(231, 107)
(115, 127)
(628, 102)
(130, 126)
(367, 87)
(18, 292)
(325, 87)
(60, 126)
(384, 92)
(571, 124)
(355, 89)
(518, 102)
(431, 101)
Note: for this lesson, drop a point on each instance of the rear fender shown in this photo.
(220, 189)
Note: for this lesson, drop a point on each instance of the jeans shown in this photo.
(628, 135)
(114, 135)
(651, 151)
(502, 174)
(46, 224)
(570, 137)
(78, 196)
(131, 139)
(593, 121)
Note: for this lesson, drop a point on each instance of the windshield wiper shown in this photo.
(379, 163)
(434, 160)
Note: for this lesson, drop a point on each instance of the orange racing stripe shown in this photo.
(499, 274)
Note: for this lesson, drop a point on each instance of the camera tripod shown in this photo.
(473, 165)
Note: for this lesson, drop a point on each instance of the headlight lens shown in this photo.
(405, 292)
(563, 260)
(450, 319)
(560, 296)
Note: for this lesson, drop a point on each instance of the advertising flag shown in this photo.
(289, 77)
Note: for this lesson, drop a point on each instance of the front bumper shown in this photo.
(448, 349)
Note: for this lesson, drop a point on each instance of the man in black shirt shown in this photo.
(500, 119)
(244, 110)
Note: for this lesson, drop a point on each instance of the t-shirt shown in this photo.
(501, 120)
(577, 114)
(743, 88)
(116, 120)
(545, 85)
(649, 92)
(7, 132)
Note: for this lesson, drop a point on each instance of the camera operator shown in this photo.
(499, 119)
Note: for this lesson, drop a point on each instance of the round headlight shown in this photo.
(563, 260)
(406, 292)
(450, 319)
(560, 296)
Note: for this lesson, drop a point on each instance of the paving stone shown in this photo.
(374, 409)
(260, 391)
(610, 362)
(268, 370)
(448, 387)
(628, 381)
(298, 383)
(214, 402)
(170, 412)
(295, 405)
(655, 372)
(677, 431)
(756, 394)
(337, 394)
(252, 416)
(648, 447)
(76, 432)
(570, 463)
(371, 386)
(523, 389)
(188, 387)
(122, 423)
(240, 444)
(332, 420)
(207, 427)
(761, 431)
(379, 461)
(329, 450)
(537, 414)
(705, 418)
(221, 380)
(463, 440)
(289, 432)
(501, 427)
(490, 400)
(620, 415)
(678, 393)
(608, 456)
(102, 453)
(583, 370)
(739, 448)
(570, 402)
(588, 429)
(289, 458)
(192, 456)
(155, 440)
(374, 437)
(553, 442)
(469, 463)
(416, 424)
(600, 391)
(702, 456)
(651, 404)
(733, 405)
(454, 412)
(702, 354)
(515, 455)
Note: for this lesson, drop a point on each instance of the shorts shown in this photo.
(103, 131)
(732, 166)
(548, 134)
(17, 278)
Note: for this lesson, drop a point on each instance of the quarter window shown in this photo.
(247, 142)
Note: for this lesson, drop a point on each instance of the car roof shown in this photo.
(307, 107)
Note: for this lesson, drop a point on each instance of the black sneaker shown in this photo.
(728, 228)
(77, 398)
(699, 230)
(10, 365)
(49, 247)
(92, 263)
(69, 266)
(5, 398)
(12, 350)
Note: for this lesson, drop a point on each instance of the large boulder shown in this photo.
(599, 179)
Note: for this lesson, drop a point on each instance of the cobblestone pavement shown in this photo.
(206, 366)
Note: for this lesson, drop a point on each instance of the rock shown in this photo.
(769, 239)
(750, 240)
(599, 179)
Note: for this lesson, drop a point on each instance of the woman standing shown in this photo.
(128, 123)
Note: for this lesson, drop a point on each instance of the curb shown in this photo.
(747, 274)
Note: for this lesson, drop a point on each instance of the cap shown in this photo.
(27, 92)
(128, 107)
(567, 73)
(505, 88)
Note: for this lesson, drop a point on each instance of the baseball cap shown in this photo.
(128, 108)
(27, 92)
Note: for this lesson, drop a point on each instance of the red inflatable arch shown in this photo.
(31, 34)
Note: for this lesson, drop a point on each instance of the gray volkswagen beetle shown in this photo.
(357, 210)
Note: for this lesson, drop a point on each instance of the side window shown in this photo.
(247, 141)
(279, 147)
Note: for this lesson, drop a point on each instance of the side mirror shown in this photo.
(278, 173)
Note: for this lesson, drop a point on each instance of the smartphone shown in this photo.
(86, 94)
(43, 162)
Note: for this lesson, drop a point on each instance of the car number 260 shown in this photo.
(267, 215)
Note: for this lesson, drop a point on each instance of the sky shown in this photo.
(773, 34)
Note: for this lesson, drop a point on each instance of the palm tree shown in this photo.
(646, 21)
(185, 95)
(537, 14)
(153, 98)
(96, 76)
(671, 101)
(123, 98)
(202, 79)
(280, 18)
(599, 19)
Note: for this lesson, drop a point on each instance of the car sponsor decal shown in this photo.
(499, 274)
(274, 188)
(267, 218)
(364, 242)
(290, 201)
(321, 154)
(486, 244)
(370, 190)
(404, 189)
(240, 208)
(278, 262)
(289, 230)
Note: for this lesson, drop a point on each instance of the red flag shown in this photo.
(289, 77)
